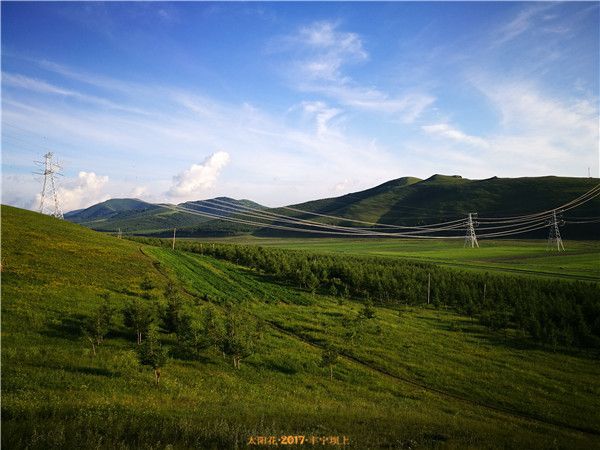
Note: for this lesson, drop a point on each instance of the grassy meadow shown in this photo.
(409, 377)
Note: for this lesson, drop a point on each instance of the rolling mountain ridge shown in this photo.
(404, 201)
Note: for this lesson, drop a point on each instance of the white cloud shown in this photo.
(409, 106)
(321, 51)
(199, 177)
(345, 185)
(19, 189)
(451, 133)
(539, 133)
(86, 190)
(322, 114)
(559, 126)
(522, 22)
(138, 192)
(32, 84)
(328, 49)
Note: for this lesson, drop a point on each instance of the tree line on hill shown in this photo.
(551, 312)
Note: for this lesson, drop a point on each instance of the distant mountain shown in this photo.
(403, 201)
(108, 209)
(139, 217)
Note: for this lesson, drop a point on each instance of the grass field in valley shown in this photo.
(580, 260)
(413, 378)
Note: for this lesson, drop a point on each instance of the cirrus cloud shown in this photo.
(451, 133)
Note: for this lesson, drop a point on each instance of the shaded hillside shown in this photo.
(441, 198)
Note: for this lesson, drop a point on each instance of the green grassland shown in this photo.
(412, 378)
(580, 260)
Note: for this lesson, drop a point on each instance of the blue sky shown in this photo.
(287, 102)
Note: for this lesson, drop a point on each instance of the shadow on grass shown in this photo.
(98, 371)
(67, 328)
(82, 370)
(501, 339)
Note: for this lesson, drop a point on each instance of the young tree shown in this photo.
(329, 357)
(333, 290)
(151, 353)
(368, 311)
(213, 327)
(174, 309)
(138, 316)
(146, 285)
(312, 282)
(354, 328)
(239, 340)
(96, 327)
(191, 337)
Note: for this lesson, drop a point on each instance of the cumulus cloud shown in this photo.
(446, 131)
(82, 192)
(138, 191)
(199, 177)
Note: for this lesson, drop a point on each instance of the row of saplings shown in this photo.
(234, 334)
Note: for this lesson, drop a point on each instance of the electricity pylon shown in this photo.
(471, 237)
(50, 169)
(554, 238)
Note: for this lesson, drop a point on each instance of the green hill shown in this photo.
(410, 201)
(109, 208)
(134, 216)
(439, 198)
(423, 378)
(404, 201)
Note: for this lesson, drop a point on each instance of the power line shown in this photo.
(231, 207)
(257, 218)
(385, 225)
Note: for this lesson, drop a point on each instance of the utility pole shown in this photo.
(174, 229)
(428, 286)
(49, 170)
(554, 236)
(470, 236)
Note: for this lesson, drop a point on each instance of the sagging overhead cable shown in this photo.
(507, 226)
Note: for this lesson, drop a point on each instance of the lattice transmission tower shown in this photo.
(471, 237)
(554, 239)
(49, 201)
